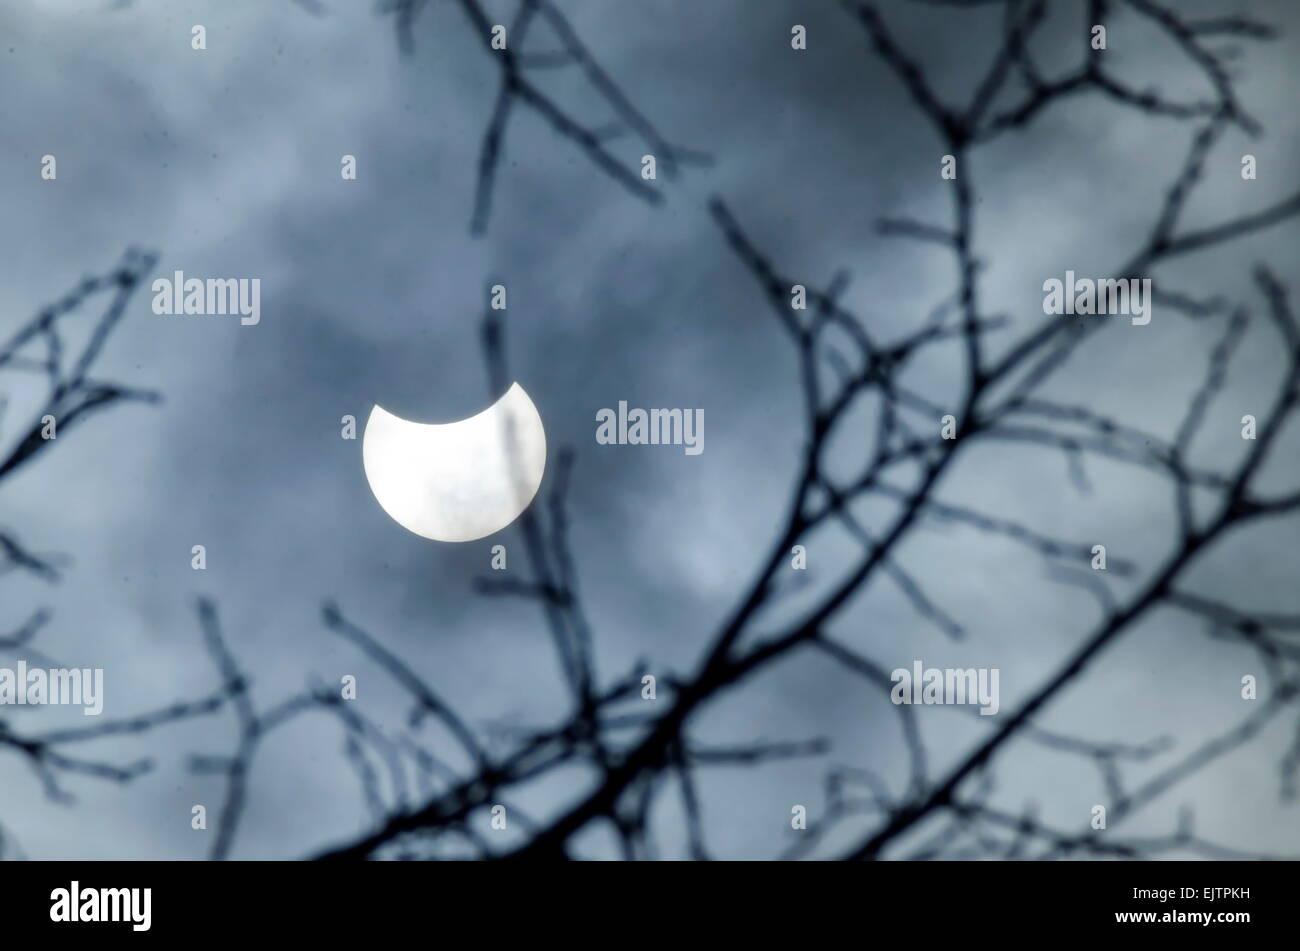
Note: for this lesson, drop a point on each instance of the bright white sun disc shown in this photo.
(456, 482)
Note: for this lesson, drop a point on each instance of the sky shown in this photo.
(226, 163)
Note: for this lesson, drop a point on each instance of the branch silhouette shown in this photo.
(54, 347)
(430, 781)
(1002, 400)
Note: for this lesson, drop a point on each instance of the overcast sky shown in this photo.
(226, 162)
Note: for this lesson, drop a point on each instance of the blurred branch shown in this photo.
(517, 87)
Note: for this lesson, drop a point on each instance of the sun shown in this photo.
(457, 482)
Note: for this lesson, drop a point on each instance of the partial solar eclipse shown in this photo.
(456, 482)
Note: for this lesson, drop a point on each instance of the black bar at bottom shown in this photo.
(1219, 901)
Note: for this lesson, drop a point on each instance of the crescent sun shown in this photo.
(456, 482)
